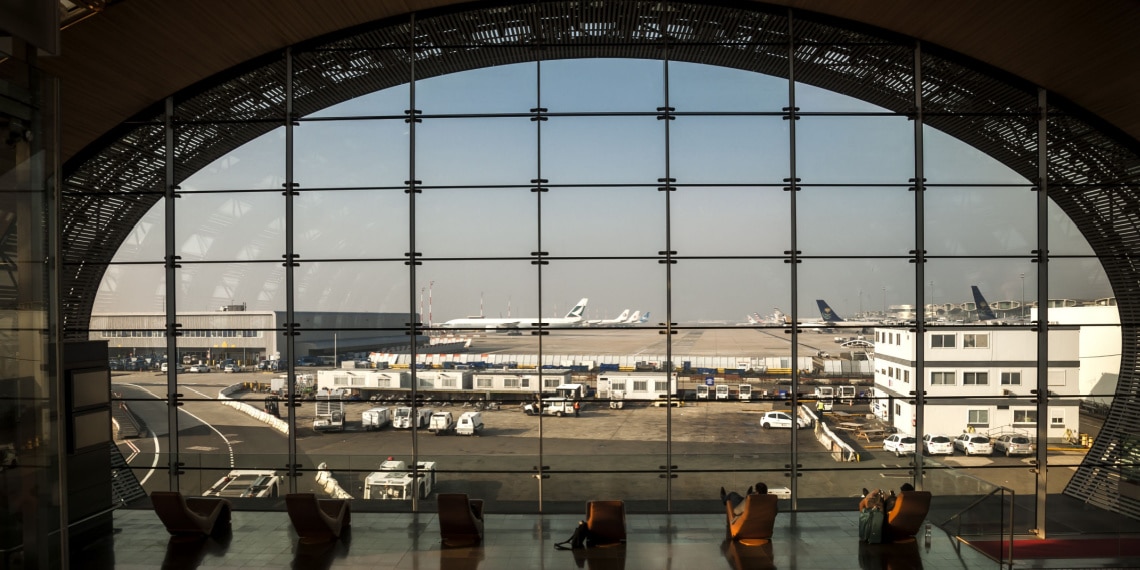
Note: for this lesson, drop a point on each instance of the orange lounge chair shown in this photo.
(754, 525)
(194, 515)
(606, 522)
(460, 519)
(318, 520)
(905, 518)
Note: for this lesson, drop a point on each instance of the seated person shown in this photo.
(877, 499)
(737, 500)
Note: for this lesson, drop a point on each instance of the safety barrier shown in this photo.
(839, 449)
(273, 422)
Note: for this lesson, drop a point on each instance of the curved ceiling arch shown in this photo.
(1094, 177)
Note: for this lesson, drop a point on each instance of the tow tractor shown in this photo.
(395, 480)
(246, 483)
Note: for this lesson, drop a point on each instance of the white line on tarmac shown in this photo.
(204, 422)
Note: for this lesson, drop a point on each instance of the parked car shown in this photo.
(230, 368)
(900, 444)
(781, 420)
(934, 444)
(177, 367)
(200, 368)
(1010, 444)
(973, 444)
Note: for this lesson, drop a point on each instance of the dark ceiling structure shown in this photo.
(983, 64)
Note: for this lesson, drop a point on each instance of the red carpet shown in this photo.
(1063, 548)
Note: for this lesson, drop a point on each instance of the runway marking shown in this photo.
(134, 450)
(204, 422)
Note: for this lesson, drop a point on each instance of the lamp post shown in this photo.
(1023, 296)
(884, 302)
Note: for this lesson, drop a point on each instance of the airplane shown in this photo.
(623, 317)
(636, 321)
(831, 318)
(986, 313)
(572, 319)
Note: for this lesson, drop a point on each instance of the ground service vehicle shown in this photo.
(272, 406)
(441, 423)
(722, 391)
(972, 444)
(375, 418)
(845, 394)
(470, 423)
(702, 392)
(329, 414)
(406, 416)
(1011, 444)
(246, 483)
(899, 444)
(395, 481)
(745, 392)
(552, 407)
(781, 420)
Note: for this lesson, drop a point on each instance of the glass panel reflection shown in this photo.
(729, 150)
(719, 221)
(352, 153)
(855, 150)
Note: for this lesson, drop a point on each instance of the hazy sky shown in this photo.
(865, 210)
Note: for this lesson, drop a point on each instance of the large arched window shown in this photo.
(723, 172)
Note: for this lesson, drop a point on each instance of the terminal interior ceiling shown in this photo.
(1047, 92)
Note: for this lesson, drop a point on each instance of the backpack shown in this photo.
(577, 540)
(871, 523)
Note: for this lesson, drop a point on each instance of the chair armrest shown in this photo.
(336, 509)
(477, 508)
(206, 506)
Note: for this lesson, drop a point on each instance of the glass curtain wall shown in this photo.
(623, 275)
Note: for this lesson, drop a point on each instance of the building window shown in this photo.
(340, 380)
(524, 382)
(975, 378)
(975, 341)
(447, 382)
(978, 418)
(1010, 378)
(1025, 417)
(906, 376)
(510, 382)
(640, 385)
(661, 386)
(484, 382)
(383, 382)
(941, 341)
(1057, 418)
(619, 386)
(942, 379)
(551, 382)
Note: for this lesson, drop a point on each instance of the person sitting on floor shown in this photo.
(737, 500)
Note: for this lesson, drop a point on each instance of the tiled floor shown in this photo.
(521, 542)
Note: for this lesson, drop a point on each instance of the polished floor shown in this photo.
(405, 541)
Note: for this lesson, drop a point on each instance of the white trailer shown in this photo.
(246, 483)
(406, 416)
(702, 392)
(375, 418)
(745, 392)
(396, 481)
(722, 391)
(620, 387)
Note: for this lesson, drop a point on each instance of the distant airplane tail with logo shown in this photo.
(829, 316)
(644, 318)
(578, 309)
(985, 313)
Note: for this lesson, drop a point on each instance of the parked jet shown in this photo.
(986, 313)
(572, 319)
(622, 318)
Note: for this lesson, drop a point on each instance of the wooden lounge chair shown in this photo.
(317, 520)
(606, 522)
(754, 525)
(201, 516)
(460, 519)
(905, 519)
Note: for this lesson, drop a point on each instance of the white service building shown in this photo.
(976, 377)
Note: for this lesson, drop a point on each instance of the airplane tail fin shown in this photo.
(829, 316)
(578, 309)
(985, 313)
(634, 318)
(622, 317)
(644, 318)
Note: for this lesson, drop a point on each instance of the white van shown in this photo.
(470, 423)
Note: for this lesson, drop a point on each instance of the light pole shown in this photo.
(884, 302)
(1023, 296)
(860, 302)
